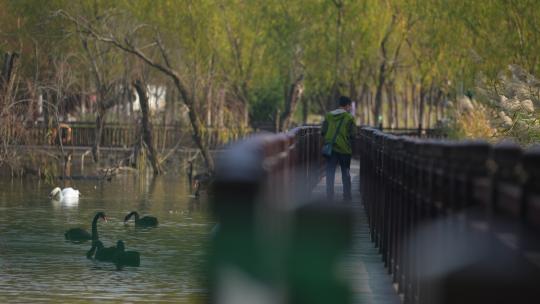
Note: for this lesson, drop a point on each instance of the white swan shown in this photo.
(67, 194)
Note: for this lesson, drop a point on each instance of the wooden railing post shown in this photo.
(531, 189)
(506, 164)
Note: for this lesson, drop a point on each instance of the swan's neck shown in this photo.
(59, 195)
(134, 213)
(94, 228)
(91, 252)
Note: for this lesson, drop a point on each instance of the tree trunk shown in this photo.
(332, 98)
(362, 105)
(305, 110)
(194, 121)
(421, 104)
(100, 120)
(366, 108)
(277, 123)
(439, 101)
(245, 114)
(337, 64)
(322, 103)
(146, 127)
(208, 113)
(221, 102)
(390, 101)
(395, 115)
(414, 107)
(369, 108)
(377, 116)
(405, 107)
(430, 106)
(294, 94)
(8, 71)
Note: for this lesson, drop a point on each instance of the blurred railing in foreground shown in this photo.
(292, 160)
(273, 243)
(456, 222)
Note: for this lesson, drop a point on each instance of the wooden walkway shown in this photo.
(371, 283)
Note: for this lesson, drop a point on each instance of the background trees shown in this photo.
(236, 64)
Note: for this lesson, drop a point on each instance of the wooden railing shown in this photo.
(418, 132)
(270, 231)
(407, 183)
(290, 160)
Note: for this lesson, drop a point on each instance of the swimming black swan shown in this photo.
(125, 258)
(79, 234)
(101, 253)
(202, 182)
(146, 221)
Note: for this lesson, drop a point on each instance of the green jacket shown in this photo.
(346, 134)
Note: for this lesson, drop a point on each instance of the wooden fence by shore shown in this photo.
(125, 135)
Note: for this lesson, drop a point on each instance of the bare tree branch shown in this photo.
(129, 47)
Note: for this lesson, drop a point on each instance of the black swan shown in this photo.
(101, 253)
(202, 182)
(79, 234)
(146, 221)
(125, 258)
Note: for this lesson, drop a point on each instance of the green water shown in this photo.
(38, 265)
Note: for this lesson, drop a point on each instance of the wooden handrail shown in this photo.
(291, 162)
(407, 183)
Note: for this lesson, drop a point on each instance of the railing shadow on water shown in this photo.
(275, 243)
(455, 222)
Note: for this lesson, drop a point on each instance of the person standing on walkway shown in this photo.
(339, 130)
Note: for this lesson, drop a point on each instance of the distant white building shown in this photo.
(156, 98)
(87, 105)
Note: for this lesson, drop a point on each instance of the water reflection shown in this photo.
(38, 264)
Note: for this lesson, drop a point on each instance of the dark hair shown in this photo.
(344, 101)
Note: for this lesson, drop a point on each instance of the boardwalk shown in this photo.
(371, 281)
(434, 207)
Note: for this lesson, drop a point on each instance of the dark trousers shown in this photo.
(344, 161)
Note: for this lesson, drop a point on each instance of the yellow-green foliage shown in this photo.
(470, 120)
(250, 52)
